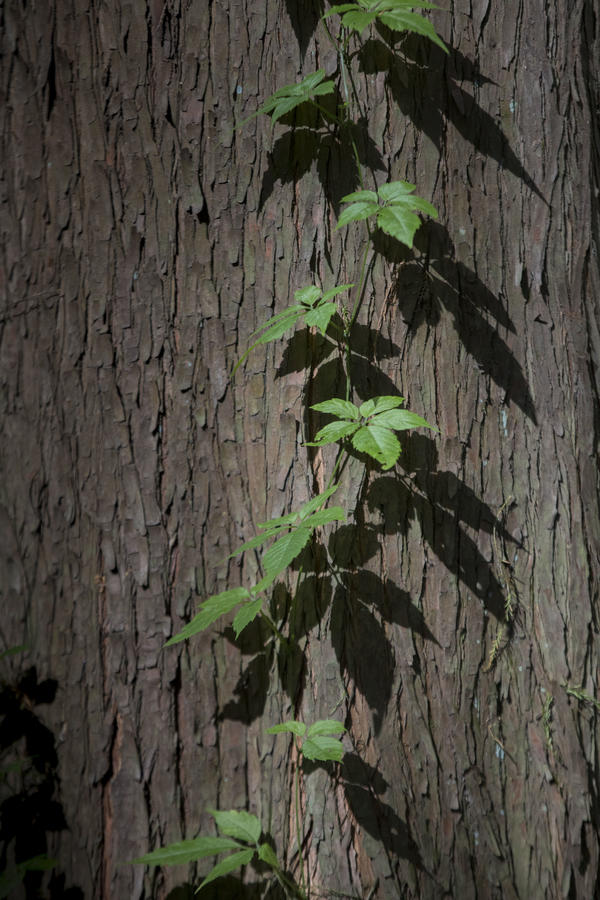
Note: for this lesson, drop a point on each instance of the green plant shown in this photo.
(369, 428)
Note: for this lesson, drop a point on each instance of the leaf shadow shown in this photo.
(362, 785)
(308, 142)
(304, 16)
(417, 89)
(437, 282)
(442, 504)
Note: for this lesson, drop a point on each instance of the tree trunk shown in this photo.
(144, 240)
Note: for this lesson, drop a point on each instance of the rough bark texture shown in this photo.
(142, 242)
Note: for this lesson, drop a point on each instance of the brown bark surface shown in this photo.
(143, 241)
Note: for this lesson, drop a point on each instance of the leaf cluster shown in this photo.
(291, 95)
(240, 832)
(290, 535)
(316, 743)
(313, 304)
(370, 426)
(393, 206)
(396, 14)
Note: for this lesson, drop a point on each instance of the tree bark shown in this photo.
(144, 240)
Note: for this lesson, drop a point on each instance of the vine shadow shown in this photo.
(442, 504)
(437, 281)
(312, 140)
(28, 813)
(363, 786)
(424, 97)
(304, 16)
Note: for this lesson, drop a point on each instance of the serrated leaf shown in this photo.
(343, 409)
(356, 212)
(323, 748)
(285, 550)
(184, 852)
(291, 727)
(399, 223)
(246, 614)
(408, 21)
(211, 610)
(358, 20)
(267, 854)
(400, 420)
(325, 516)
(308, 295)
(317, 502)
(237, 824)
(325, 726)
(333, 432)
(380, 443)
(336, 10)
(279, 522)
(229, 864)
(254, 542)
(321, 316)
(379, 404)
(282, 324)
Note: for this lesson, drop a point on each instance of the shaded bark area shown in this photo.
(143, 241)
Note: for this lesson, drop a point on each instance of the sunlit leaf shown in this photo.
(184, 852)
(291, 727)
(343, 409)
(211, 610)
(246, 614)
(400, 420)
(237, 824)
(333, 432)
(285, 550)
(379, 404)
(323, 748)
(325, 516)
(380, 443)
(325, 726)
(308, 295)
(321, 316)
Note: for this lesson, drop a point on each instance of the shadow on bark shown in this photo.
(28, 813)
(309, 142)
(304, 16)
(362, 785)
(419, 92)
(424, 287)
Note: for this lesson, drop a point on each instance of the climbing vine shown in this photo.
(368, 430)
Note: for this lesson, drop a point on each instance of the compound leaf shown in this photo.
(285, 550)
(378, 442)
(267, 854)
(400, 420)
(321, 316)
(379, 404)
(333, 432)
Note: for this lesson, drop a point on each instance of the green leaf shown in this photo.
(333, 432)
(266, 853)
(321, 316)
(229, 864)
(325, 516)
(400, 420)
(292, 95)
(308, 295)
(380, 443)
(237, 824)
(184, 852)
(291, 727)
(325, 726)
(356, 212)
(408, 21)
(12, 651)
(246, 614)
(399, 222)
(323, 749)
(255, 541)
(358, 21)
(379, 404)
(343, 409)
(211, 610)
(285, 550)
(317, 502)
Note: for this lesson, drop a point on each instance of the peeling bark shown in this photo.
(143, 241)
